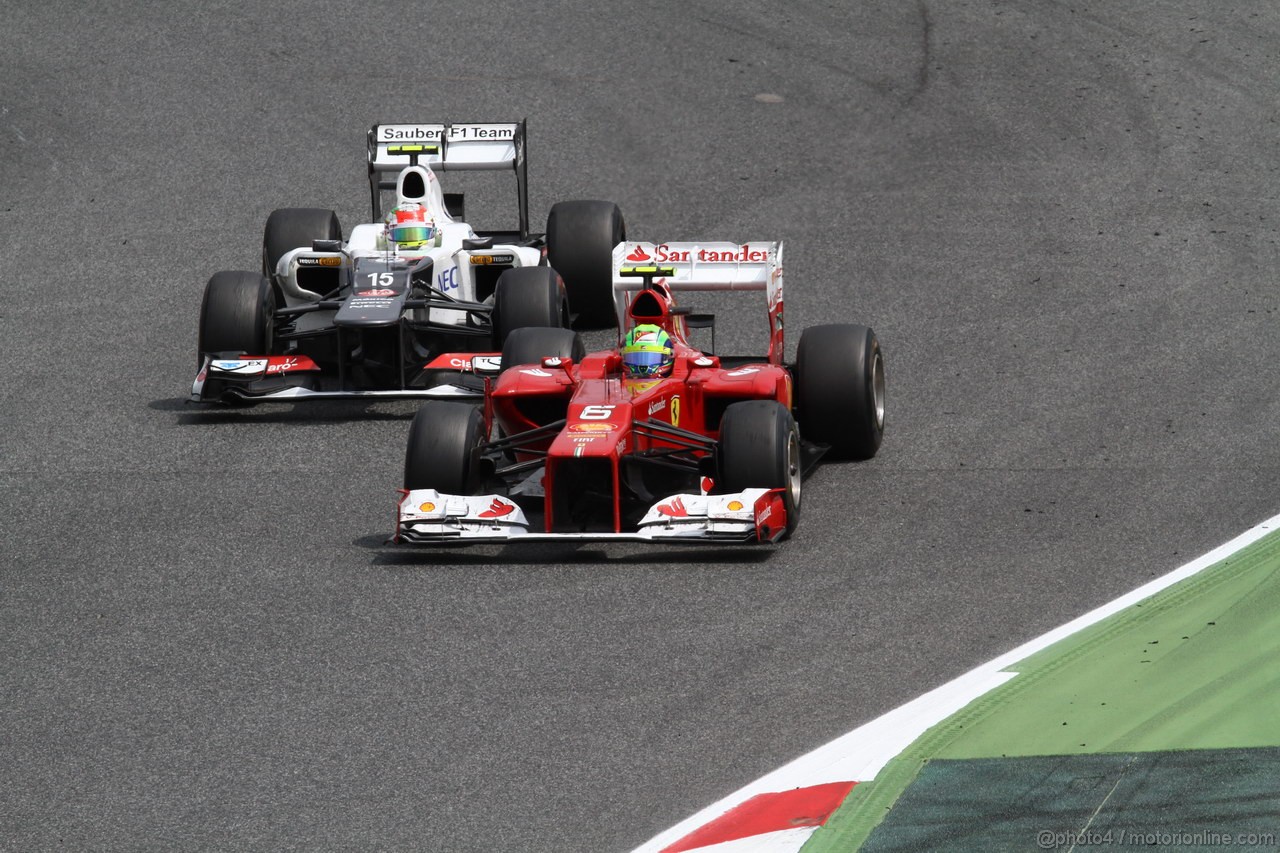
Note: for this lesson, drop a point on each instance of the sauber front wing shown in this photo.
(427, 517)
(254, 378)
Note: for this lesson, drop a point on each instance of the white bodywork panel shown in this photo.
(453, 270)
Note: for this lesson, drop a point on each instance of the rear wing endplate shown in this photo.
(702, 267)
(461, 146)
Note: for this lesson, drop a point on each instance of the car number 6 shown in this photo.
(596, 413)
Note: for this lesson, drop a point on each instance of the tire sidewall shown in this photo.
(837, 391)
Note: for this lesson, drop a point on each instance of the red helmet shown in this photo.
(410, 226)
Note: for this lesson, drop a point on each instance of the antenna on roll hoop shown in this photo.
(647, 273)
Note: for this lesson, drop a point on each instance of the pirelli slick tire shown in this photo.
(531, 345)
(444, 448)
(580, 240)
(760, 448)
(236, 316)
(840, 389)
(291, 227)
(528, 297)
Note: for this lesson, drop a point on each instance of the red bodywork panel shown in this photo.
(600, 405)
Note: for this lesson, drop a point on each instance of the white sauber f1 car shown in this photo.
(372, 316)
(701, 448)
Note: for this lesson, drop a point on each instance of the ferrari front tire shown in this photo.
(444, 448)
(760, 448)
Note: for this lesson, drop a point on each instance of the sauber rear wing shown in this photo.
(454, 147)
(705, 267)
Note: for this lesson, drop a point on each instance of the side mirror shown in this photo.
(326, 245)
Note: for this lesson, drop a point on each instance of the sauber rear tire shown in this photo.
(443, 449)
(528, 297)
(840, 389)
(291, 227)
(531, 345)
(236, 315)
(760, 448)
(580, 240)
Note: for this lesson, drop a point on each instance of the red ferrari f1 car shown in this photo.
(679, 446)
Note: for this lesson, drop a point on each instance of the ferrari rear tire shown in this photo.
(444, 448)
(236, 315)
(760, 448)
(580, 240)
(531, 345)
(840, 389)
(528, 297)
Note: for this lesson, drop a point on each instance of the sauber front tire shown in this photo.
(236, 315)
(532, 345)
(528, 297)
(580, 240)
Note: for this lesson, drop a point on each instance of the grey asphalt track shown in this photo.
(1060, 218)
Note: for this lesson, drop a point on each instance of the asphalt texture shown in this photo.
(1060, 219)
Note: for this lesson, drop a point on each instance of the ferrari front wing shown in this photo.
(428, 517)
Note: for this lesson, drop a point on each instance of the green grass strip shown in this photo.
(1191, 667)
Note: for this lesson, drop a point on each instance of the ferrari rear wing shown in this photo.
(463, 146)
(702, 267)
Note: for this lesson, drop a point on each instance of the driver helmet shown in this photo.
(410, 226)
(647, 352)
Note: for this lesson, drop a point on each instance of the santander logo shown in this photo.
(497, 509)
(675, 509)
(638, 255)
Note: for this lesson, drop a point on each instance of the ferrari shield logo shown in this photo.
(675, 411)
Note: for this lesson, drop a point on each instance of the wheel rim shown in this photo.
(877, 389)
(793, 469)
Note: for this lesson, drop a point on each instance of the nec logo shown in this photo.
(448, 280)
